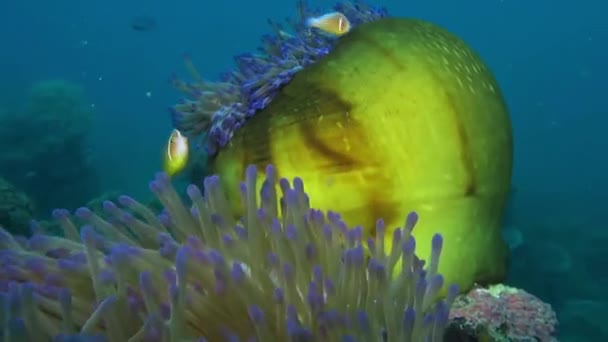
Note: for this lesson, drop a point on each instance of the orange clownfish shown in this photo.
(334, 23)
(176, 153)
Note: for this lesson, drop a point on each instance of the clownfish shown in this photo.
(334, 23)
(176, 153)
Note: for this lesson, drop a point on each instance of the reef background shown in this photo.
(548, 56)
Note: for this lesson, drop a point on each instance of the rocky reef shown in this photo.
(45, 146)
(16, 208)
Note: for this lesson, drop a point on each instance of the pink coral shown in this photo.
(504, 313)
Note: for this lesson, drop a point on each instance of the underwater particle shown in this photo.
(400, 116)
(195, 272)
(143, 23)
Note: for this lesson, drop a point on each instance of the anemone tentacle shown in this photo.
(282, 272)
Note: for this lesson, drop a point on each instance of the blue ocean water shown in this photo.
(548, 56)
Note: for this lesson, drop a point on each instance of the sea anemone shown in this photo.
(400, 114)
(217, 109)
(284, 272)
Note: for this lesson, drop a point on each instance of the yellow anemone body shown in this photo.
(401, 116)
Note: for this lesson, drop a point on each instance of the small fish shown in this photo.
(334, 23)
(143, 23)
(176, 154)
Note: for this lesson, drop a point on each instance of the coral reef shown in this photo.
(46, 153)
(502, 313)
(282, 272)
(16, 208)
